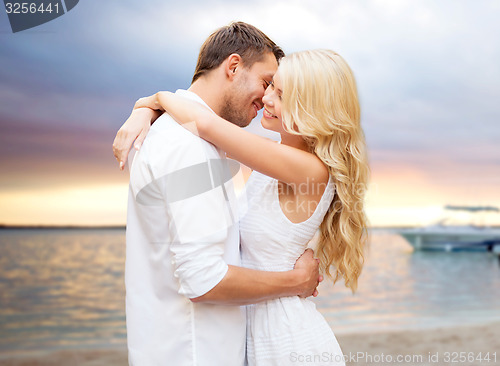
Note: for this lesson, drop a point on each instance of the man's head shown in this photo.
(244, 60)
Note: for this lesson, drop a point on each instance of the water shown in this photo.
(403, 289)
(64, 289)
(61, 289)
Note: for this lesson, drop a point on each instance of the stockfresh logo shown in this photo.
(28, 14)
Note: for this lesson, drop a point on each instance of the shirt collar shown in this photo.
(190, 95)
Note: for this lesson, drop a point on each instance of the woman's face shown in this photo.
(271, 118)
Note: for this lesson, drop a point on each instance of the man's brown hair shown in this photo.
(238, 37)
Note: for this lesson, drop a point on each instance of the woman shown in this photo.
(312, 183)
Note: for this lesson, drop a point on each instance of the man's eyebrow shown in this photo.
(269, 76)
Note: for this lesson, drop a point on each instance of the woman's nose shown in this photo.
(267, 100)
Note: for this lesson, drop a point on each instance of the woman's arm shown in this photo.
(135, 128)
(285, 163)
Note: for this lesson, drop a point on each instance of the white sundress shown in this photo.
(289, 330)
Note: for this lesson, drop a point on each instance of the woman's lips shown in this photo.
(267, 114)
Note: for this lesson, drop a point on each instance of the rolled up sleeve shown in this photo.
(201, 229)
(199, 219)
(198, 267)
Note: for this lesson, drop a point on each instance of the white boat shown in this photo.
(444, 236)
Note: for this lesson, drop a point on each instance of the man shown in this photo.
(182, 231)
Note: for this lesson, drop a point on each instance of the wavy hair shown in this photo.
(320, 103)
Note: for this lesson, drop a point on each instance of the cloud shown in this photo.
(427, 76)
(36, 156)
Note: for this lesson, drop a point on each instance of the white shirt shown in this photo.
(182, 232)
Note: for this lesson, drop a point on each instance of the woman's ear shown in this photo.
(232, 65)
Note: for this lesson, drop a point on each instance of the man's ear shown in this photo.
(232, 64)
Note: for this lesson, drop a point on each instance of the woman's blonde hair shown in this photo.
(320, 102)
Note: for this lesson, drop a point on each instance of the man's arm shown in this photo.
(243, 286)
(201, 217)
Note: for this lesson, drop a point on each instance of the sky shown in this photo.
(428, 77)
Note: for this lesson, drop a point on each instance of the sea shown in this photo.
(64, 289)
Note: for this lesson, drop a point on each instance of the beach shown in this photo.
(436, 346)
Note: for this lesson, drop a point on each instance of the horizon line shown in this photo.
(76, 227)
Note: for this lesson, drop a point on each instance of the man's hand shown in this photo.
(309, 268)
(136, 128)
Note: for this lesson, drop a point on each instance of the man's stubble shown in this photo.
(235, 106)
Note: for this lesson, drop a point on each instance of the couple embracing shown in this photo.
(212, 279)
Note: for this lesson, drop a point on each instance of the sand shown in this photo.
(440, 346)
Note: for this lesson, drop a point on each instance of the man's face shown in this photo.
(243, 99)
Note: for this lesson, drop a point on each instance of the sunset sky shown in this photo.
(428, 76)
